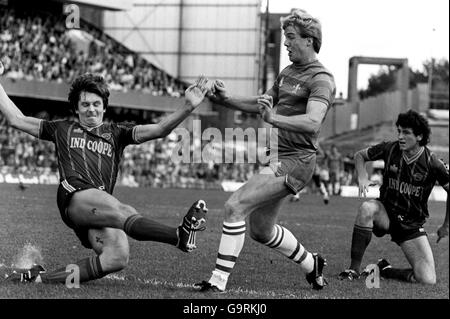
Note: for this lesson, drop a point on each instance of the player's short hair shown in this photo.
(88, 82)
(417, 123)
(306, 25)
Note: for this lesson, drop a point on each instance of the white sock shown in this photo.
(231, 243)
(286, 244)
(323, 190)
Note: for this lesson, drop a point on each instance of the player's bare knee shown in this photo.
(120, 212)
(425, 277)
(116, 258)
(232, 212)
(366, 213)
(119, 261)
(425, 274)
(127, 210)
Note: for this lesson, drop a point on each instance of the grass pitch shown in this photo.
(159, 271)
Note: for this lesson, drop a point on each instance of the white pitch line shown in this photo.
(321, 225)
(239, 290)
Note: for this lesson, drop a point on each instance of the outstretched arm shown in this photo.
(310, 122)
(363, 177)
(194, 95)
(219, 94)
(14, 115)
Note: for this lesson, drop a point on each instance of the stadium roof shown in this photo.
(114, 5)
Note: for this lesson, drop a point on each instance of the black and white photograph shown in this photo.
(224, 158)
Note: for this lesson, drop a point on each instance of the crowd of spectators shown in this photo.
(150, 164)
(38, 47)
(23, 153)
(146, 165)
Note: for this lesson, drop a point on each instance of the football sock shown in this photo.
(284, 242)
(400, 274)
(360, 240)
(142, 228)
(89, 269)
(231, 243)
(323, 190)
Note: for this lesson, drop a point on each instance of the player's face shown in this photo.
(407, 140)
(90, 109)
(295, 44)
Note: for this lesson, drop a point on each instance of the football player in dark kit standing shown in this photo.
(89, 152)
(410, 173)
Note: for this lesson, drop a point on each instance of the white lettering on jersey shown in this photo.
(99, 147)
(405, 188)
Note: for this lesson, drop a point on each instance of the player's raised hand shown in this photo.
(266, 107)
(363, 186)
(218, 91)
(195, 94)
(442, 232)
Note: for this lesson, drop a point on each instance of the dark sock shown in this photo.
(360, 240)
(141, 228)
(89, 269)
(400, 274)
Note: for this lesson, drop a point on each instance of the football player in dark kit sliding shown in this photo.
(89, 152)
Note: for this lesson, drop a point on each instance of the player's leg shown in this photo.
(337, 182)
(325, 178)
(261, 189)
(419, 254)
(322, 185)
(331, 182)
(371, 217)
(264, 229)
(111, 246)
(92, 208)
(112, 249)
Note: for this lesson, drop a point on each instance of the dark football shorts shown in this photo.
(399, 229)
(65, 193)
(297, 170)
(316, 179)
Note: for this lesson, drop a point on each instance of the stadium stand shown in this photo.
(36, 46)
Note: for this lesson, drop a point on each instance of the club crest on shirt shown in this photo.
(296, 89)
(418, 177)
(393, 168)
(107, 136)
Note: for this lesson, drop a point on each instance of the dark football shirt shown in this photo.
(407, 183)
(92, 156)
(293, 88)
